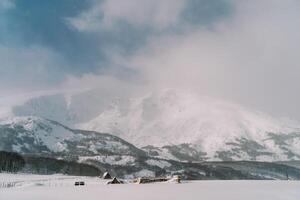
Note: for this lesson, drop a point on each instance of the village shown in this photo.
(141, 180)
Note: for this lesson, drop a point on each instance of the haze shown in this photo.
(237, 50)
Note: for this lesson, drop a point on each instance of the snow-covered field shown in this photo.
(56, 187)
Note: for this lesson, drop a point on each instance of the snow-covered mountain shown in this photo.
(175, 124)
(187, 126)
(46, 146)
(39, 136)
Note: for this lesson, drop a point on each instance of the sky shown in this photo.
(238, 50)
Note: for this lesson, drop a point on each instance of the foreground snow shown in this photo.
(36, 187)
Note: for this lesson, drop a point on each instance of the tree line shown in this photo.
(14, 162)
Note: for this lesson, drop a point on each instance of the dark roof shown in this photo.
(115, 181)
(106, 175)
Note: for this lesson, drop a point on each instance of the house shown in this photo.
(175, 179)
(144, 180)
(115, 181)
(106, 175)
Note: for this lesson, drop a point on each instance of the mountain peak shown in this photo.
(171, 117)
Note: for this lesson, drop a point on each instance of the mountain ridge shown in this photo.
(34, 137)
(180, 125)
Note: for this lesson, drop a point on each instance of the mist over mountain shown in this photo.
(174, 124)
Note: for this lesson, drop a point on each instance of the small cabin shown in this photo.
(106, 175)
(115, 181)
(176, 179)
(144, 180)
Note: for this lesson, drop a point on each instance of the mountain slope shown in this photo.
(199, 127)
(174, 124)
(33, 135)
(41, 142)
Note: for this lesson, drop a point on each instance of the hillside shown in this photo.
(174, 124)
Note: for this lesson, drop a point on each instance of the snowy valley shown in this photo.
(28, 187)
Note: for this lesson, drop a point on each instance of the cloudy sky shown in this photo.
(239, 50)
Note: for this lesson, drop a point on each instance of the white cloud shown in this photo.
(252, 58)
(259, 42)
(159, 14)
